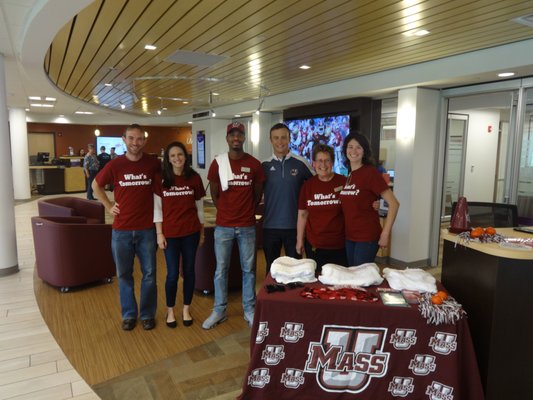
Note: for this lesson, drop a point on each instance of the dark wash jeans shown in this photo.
(273, 239)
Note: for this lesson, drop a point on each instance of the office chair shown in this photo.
(497, 215)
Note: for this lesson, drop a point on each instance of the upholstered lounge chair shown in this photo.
(70, 252)
(206, 264)
(69, 206)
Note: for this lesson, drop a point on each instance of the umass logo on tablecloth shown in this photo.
(347, 358)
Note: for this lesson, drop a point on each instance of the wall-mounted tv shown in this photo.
(330, 130)
(110, 141)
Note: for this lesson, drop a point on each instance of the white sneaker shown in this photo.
(214, 319)
(249, 317)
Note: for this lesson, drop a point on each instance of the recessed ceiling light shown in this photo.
(506, 74)
(150, 47)
(237, 115)
(304, 66)
(421, 32)
(215, 94)
(50, 98)
(189, 122)
(27, 109)
(84, 112)
(34, 97)
(185, 102)
(108, 84)
(123, 106)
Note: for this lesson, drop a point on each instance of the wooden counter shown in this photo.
(57, 179)
(75, 180)
(494, 286)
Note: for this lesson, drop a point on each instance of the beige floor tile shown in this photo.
(23, 374)
(60, 392)
(47, 356)
(37, 384)
(14, 364)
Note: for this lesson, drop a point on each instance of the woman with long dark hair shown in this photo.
(179, 219)
(364, 234)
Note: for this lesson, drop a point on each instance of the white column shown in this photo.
(215, 141)
(260, 135)
(416, 149)
(8, 242)
(19, 150)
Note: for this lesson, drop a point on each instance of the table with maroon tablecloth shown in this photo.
(343, 349)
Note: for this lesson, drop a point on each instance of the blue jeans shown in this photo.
(361, 252)
(185, 247)
(90, 179)
(224, 237)
(125, 245)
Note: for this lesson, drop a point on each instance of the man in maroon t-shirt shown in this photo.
(236, 182)
(132, 176)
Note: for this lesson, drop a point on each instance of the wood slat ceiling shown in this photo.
(264, 42)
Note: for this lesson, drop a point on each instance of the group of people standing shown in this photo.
(330, 216)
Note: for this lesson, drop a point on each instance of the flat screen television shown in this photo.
(43, 157)
(110, 141)
(330, 130)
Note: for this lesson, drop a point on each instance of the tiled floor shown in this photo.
(32, 366)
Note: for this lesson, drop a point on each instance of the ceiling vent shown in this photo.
(202, 114)
(194, 58)
(526, 20)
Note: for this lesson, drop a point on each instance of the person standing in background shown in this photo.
(179, 222)
(320, 227)
(364, 235)
(236, 184)
(285, 174)
(112, 154)
(103, 158)
(133, 177)
(91, 167)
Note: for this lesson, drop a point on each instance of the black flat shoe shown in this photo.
(128, 324)
(172, 324)
(148, 324)
(187, 322)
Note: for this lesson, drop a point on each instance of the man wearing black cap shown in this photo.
(236, 183)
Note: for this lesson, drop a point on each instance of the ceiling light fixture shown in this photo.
(237, 115)
(304, 66)
(108, 84)
(122, 105)
(213, 113)
(189, 122)
(145, 134)
(150, 47)
(34, 97)
(416, 32)
(97, 132)
(506, 74)
(50, 98)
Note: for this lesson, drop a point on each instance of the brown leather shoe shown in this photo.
(129, 324)
(148, 324)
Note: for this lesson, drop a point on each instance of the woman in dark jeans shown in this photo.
(179, 218)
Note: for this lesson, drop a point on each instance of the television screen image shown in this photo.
(330, 130)
(110, 141)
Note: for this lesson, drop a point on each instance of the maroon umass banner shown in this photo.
(343, 349)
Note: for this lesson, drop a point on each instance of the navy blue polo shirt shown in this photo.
(284, 178)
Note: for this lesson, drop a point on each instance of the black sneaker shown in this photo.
(148, 324)
(128, 324)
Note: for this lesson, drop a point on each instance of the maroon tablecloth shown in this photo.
(343, 349)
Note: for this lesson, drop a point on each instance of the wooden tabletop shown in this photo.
(494, 248)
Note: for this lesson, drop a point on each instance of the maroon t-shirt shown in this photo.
(236, 206)
(362, 188)
(325, 223)
(133, 187)
(180, 216)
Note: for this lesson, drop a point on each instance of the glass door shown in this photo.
(524, 198)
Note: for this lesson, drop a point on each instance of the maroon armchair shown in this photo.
(206, 263)
(70, 252)
(69, 206)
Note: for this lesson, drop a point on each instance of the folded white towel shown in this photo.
(288, 269)
(363, 275)
(410, 279)
(224, 170)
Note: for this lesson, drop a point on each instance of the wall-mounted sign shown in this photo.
(200, 149)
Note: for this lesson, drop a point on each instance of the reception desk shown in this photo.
(57, 179)
(494, 286)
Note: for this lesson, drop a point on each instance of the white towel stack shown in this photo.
(288, 269)
(410, 279)
(363, 275)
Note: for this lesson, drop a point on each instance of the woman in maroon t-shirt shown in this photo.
(319, 212)
(364, 185)
(178, 216)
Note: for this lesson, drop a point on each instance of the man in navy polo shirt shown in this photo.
(285, 174)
